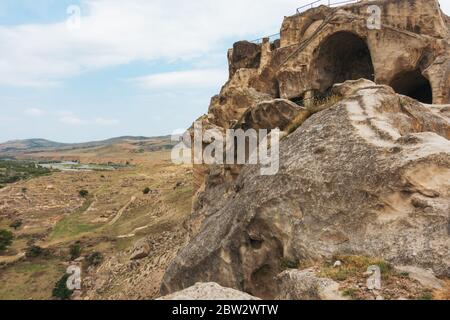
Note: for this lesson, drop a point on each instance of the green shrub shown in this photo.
(33, 251)
(289, 264)
(426, 295)
(83, 193)
(60, 291)
(94, 259)
(75, 251)
(146, 190)
(16, 224)
(5, 239)
(351, 293)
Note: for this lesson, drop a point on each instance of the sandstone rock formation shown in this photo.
(323, 46)
(305, 285)
(140, 250)
(368, 176)
(271, 114)
(208, 291)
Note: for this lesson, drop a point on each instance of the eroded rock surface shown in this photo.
(368, 176)
(305, 285)
(208, 291)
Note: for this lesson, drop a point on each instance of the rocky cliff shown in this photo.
(365, 173)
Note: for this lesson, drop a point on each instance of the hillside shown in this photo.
(116, 150)
(145, 201)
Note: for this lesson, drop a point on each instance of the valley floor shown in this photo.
(109, 220)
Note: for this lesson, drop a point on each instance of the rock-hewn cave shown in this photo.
(413, 84)
(343, 56)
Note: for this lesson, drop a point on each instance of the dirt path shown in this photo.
(121, 211)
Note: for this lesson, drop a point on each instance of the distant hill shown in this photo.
(29, 145)
(32, 146)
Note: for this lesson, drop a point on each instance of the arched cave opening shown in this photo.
(413, 84)
(343, 56)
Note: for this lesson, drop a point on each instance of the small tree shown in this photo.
(75, 251)
(146, 190)
(5, 240)
(60, 291)
(34, 251)
(83, 193)
(94, 259)
(16, 224)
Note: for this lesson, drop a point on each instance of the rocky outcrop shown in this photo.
(409, 51)
(209, 291)
(140, 250)
(368, 176)
(425, 277)
(269, 115)
(305, 285)
(244, 55)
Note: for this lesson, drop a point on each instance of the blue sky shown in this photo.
(134, 67)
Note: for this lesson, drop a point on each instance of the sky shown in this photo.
(83, 70)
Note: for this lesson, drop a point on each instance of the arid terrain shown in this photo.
(108, 221)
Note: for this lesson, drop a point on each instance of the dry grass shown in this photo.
(444, 293)
(314, 107)
(57, 217)
(352, 279)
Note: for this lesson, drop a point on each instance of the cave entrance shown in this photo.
(413, 84)
(343, 56)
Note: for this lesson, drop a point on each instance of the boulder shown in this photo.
(368, 176)
(425, 277)
(277, 113)
(244, 55)
(230, 105)
(209, 291)
(305, 285)
(140, 250)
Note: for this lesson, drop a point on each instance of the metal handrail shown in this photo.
(261, 39)
(328, 3)
(308, 5)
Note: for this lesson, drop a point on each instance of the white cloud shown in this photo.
(203, 78)
(106, 122)
(115, 32)
(71, 119)
(34, 112)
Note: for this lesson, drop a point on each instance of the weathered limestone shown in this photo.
(324, 46)
(209, 291)
(272, 114)
(305, 285)
(369, 176)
